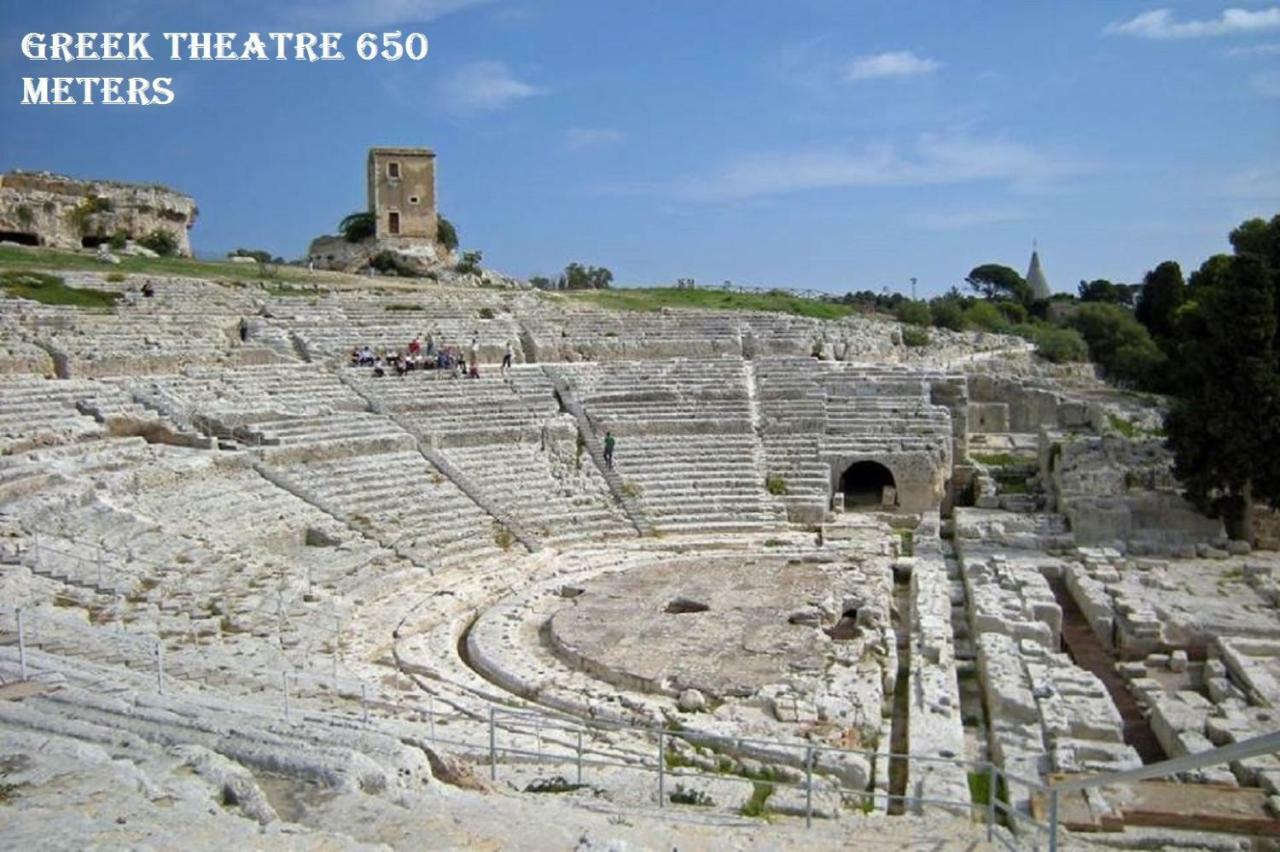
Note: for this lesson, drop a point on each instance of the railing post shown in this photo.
(579, 781)
(662, 768)
(1053, 819)
(160, 666)
(992, 791)
(493, 747)
(284, 678)
(22, 647)
(808, 787)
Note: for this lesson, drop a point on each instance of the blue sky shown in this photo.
(833, 144)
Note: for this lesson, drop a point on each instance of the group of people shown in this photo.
(420, 356)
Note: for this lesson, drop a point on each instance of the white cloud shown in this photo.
(1256, 50)
(1266, 84)
(483, 87)
(1161, 24)
(932, 160)
(896, 63)
(577, 138)
(380, 13)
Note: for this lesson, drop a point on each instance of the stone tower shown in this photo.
(1035, 278)
(402, 194)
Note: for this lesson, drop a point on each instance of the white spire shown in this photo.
(1035, 276)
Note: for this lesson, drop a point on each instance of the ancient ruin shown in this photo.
(43, 209)
(401, 185)
(262, 591)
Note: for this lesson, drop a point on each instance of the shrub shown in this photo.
(1120, 344)
(25, 215)
(118, 240)
(685, 796)
(1013, 312)
(446, 233)
(257, 254)
(358, 226)
(390, 263)
(470, 263)
(986, 316)
(758, 804)
(503, 537)
(161, 242)
(948, 314)
(116, 277)
(914, 336)
(914, 313)
(775, 485)
(486, 313)
(1058, 345)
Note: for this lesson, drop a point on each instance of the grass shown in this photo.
(53, 290)
(994, 459)
(400, 306)
(776, 485)
(758, 804)
(908, 542)
(55, 260)
(980, 788)
(1123, 426)
(657, 298)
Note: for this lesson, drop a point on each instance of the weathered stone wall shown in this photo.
(403, 181)
(63, 212)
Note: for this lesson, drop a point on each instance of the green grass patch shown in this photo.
(758, 804)
(52, 290)
(57, 261)
(657, 298)
(775, 485)
(908, 538)
(994, 459)
(399, 306)
(1125, 427)
(980, 788)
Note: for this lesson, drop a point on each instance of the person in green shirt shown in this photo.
(608, 449)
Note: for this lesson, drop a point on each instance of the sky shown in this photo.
(828, 144)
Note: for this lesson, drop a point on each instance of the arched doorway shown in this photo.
(863, 485)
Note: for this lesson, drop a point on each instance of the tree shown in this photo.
(579, 277)
(446, 233)
(1162, 293)
(358, 226)
(993, 281)
(1222, 430)
(1118, 343)
(1102, 290)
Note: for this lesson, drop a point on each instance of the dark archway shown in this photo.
(863, 485)
(20, 237)
(92, 241)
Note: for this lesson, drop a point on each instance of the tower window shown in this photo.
(393, 222)
(393, 171)
(413, 199)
